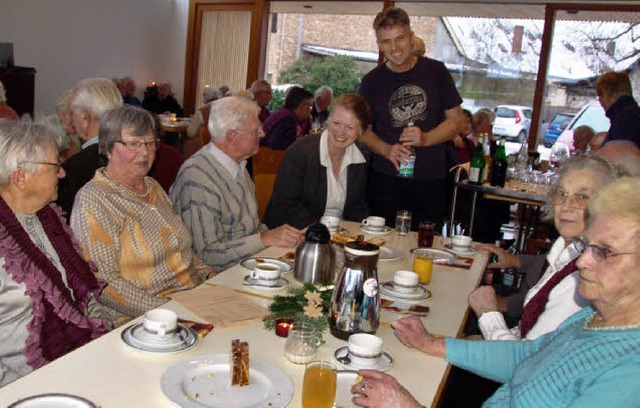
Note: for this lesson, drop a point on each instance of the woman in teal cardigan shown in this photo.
(591, 360)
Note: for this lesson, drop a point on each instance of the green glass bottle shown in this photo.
(499, 166)
(477, 164)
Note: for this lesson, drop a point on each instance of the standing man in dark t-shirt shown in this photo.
(415, 104)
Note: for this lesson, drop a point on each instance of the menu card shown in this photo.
(221, 306)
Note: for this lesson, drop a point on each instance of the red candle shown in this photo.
(283, 326)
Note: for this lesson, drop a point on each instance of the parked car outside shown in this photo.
(556, 126)
(592, 115)
(512, 122)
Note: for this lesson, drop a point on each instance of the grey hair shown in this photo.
(259, 85)
(63, 105)
(620, 198)
(624, 153)
(323, 90)
(211, 93)
(138, 121)
(605, 169)
(3, 94)
(96, 96)
(228, 114)
(21, 144)
(483, 116)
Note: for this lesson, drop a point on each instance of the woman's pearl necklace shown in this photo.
(129, 189)
(589, 319)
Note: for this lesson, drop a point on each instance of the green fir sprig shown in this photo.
(301, 305)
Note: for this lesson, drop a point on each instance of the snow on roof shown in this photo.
(489, 41)
(357, 55)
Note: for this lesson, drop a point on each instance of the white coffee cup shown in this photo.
(461, 243)
(405, 281)
(331, 222)
(374, 223)
(266, 273)
(365, 349)
(160, 322)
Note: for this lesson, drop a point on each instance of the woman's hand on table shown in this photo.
(283, 236)
(412, 333)
(505, 259)
(483, 300)
(378, 389)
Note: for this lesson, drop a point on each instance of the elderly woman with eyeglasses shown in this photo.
(126, 221)
(48, 292)
(591, 360)
(550, 289)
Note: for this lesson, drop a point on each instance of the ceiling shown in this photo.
(469, 8)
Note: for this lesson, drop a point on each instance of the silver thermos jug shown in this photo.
(355, 303)
(315, 257)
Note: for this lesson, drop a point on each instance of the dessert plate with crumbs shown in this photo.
(205, 381)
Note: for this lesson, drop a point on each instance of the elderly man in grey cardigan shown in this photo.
(215, 195)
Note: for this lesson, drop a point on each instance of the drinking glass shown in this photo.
(319, 385)
(426, 232)
(302, 343)
(403, 222)
(423, 266)
(559, 153)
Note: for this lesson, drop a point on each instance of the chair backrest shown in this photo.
(265, 167)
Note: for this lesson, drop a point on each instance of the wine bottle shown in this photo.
(499, 166)
(478, 164)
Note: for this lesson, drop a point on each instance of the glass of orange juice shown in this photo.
(319, 385)
(423, 266)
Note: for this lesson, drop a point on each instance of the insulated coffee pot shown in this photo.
(315, 257)
(355, 303)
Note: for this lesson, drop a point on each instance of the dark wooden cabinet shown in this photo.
(20, 83)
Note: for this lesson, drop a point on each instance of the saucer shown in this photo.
(384, 363)
(437, 254)
(250, 263)
(420, 293)
(137, 337)
(384, 231)
(390, 253)
(249, 281)
(471, 250)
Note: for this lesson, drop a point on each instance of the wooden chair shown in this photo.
(265, 168)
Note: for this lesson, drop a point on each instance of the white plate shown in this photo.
(346, 378)
(249, 281)
(421, 293)
(471, 250)
(384, 363)
(205, 381)
(438, 254)
(250, 263)
(136, 337)
(384, 231)
(53, 401)
(390, 253)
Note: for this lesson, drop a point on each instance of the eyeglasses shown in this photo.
(559, 197)
(136, 146)
(598, 252)
(56, 165)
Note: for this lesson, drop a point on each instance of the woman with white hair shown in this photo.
(48, 292)
(591, 360)
(127, 224)
(6, 111)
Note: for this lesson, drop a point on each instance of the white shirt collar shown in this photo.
(234, 168)
(92, 141)
(352, 155)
